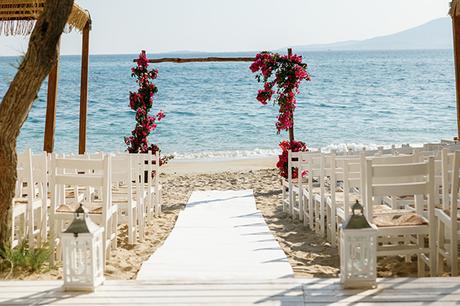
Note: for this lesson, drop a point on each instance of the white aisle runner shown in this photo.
(219, 236)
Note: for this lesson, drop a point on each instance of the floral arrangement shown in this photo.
(282, 75)
(141, 102)
(282, 164)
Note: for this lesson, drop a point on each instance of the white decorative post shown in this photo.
(82, 254)
(358, 251)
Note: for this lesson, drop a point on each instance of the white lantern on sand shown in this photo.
(358, 251)
(82, 254)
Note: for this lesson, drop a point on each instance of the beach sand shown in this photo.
(309, 254)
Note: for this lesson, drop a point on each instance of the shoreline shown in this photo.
(212, 166)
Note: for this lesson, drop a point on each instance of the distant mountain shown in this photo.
(436, 34)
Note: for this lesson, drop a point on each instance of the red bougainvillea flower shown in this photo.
(283, 158)
(141, 102)
(285, 74)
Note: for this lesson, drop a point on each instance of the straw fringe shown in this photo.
(17, 17)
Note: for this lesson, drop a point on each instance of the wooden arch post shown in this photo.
(291, 129)
(84, 88)
(456, 40)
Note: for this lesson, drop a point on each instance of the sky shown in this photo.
(127, 26)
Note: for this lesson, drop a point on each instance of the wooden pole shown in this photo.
(456, 33)
(291, 129)
(84, 89)
(50, 124)
(199, 59)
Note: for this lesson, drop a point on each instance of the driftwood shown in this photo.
(199, 59)
(41, 56)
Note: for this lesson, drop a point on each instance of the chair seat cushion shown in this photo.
(400, 218)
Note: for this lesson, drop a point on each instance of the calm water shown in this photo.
(354, 98)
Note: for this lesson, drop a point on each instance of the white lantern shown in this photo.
(358, 251)
(82, 254)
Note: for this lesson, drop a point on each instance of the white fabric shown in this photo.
(219, 236)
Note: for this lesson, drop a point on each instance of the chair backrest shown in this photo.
(79, 172)
(149, 170)
(353, 179)
(395, 178)
(40, 174)
(125, 171)
(25, 186)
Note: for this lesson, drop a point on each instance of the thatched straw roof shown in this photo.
(454, 8)
(17, 17)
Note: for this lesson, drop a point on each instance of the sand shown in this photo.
(308, 253)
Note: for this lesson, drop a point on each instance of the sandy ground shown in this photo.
(308, 253)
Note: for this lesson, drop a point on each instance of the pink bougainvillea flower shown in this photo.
(141, 102)
(285, 74)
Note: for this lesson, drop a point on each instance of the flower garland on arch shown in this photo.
(141, 102)
(282, 76)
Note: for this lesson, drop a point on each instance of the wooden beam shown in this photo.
(200, 59)
(456, 33)
(291, 129)
(50, 124)
(84, 89)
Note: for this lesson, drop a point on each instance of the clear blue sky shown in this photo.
(122, 26)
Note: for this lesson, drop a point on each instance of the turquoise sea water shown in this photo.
(371, 98)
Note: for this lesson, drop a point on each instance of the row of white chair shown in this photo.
(410, 194)
(114, 189)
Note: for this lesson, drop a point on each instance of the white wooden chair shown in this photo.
(312, 188)
(327, 169)
(348, 170)
(294, 185)
(31, 193)
(448, 215)
(84, 173)
(150, 164)
(403, 232)
(287, 184)
(125, 174)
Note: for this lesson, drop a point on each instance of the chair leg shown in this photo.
(157, 203)
(453, 250)
(333, 224)
(30, 226)
(114, 220)
(305, 211)
(433, 257)
(104, 252)
(130, 212)
(53, 245)
(440, 247)
(140, 220)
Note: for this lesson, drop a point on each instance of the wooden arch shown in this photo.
(17, 17)
(179, 60)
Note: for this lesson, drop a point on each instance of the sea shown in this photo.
(355, 99)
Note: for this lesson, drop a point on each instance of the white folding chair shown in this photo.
(124, 195)
(31, 192)
(85, 173)
(448, 215)
(309, 192)
(403, 232)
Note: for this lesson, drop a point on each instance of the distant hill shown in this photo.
(436, 34)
